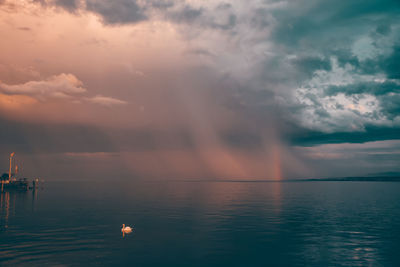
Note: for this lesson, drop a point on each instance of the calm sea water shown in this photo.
(202, 224)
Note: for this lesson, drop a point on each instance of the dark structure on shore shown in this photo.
(10, 182)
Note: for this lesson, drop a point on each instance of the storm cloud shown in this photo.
(231, 88)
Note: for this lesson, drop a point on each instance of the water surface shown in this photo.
(202, 224)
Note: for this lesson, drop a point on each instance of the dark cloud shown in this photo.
(219, 18)
(392, 64)
(130, 12)
(329, 28)
(387, 64)
(391, 106)
(309, 64)
(70, 5)
(383, 29)
(373, 88)
(111, 12)
(323, 48)
(160, 4)
(305, 137)
(117, 12)
(187, 14)
(321, 21)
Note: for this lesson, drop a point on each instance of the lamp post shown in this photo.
(9, 172)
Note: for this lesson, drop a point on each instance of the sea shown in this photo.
(202, 223)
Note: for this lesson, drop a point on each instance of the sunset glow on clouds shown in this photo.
(203, 89)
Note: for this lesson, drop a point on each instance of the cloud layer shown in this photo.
(62, 86)
(230, 80)
(58, 86)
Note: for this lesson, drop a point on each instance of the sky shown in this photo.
(192, 89)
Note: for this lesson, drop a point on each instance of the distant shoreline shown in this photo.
(351, 179)
(333, 179)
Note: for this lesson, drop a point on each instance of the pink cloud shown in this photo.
(57, 86)
(106, 101)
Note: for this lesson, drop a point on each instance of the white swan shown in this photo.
(126, 229)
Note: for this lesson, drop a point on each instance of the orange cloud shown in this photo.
(14, 102)
(57, 86)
